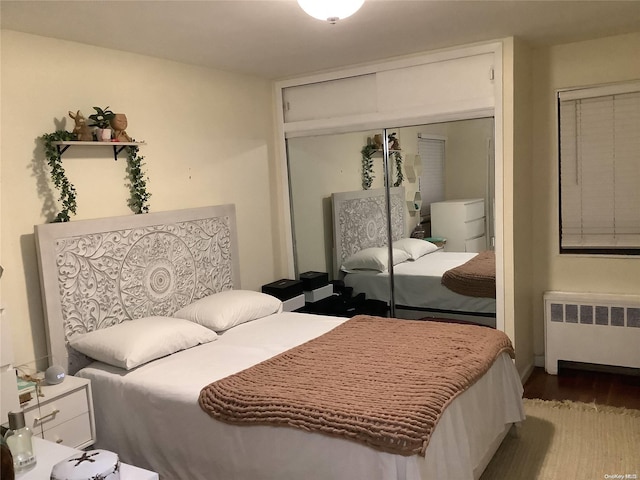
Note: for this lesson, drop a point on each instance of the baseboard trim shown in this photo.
(526, 373)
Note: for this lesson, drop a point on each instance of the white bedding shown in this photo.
(417, 284)
(150, 416)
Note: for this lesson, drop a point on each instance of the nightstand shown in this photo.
(49, 453)
(63, 413)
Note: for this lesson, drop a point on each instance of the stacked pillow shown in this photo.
(375, 259)
(132, 343)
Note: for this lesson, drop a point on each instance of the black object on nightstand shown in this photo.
(313, 280)
(344, 304)
(284, 289)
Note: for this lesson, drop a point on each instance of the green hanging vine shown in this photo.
(399, 176)
(138, 201)
(367, 166)
(139, 197)
(67, 191)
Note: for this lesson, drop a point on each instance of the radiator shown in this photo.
(592, 328)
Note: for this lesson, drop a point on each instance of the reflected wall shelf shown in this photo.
(415, 205)
(117, 146)
(413, 167)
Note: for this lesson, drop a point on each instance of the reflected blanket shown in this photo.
(475, 278)
(380, 381)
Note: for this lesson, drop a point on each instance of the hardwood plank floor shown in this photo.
(602, 388)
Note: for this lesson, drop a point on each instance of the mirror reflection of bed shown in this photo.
(457, 166)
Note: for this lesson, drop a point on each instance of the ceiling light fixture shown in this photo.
(330, 10)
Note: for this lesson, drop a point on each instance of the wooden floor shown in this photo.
(617, 390)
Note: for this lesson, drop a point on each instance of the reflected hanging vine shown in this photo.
(367, 166)
(399, 175)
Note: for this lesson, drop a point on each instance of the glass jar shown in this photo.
(18, 438)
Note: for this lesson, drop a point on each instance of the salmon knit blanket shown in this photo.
(379, 381)
(475, 278)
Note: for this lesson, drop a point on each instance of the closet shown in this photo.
(328, 118)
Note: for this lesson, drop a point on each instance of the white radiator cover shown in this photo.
(591, 328)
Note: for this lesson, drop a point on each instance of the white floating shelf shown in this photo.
(415, 205)
(62, 146)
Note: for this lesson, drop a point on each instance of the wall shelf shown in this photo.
(413, 167)
(117, 146)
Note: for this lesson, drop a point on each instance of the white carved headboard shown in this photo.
(97, 273)
(360, 220)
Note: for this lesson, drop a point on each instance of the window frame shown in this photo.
(575, 93)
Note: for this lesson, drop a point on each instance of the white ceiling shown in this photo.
(276, 39)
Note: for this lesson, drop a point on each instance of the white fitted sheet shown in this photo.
(150, 416)
(417, 284)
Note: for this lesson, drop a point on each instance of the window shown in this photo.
(599, 132)
(431, 150)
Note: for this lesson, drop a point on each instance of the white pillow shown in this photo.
(374, 258)
(134, 342)
(224, 310)
(415, 247)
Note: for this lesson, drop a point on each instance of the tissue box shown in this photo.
(283, 289)
(88, 465)
(313, 280)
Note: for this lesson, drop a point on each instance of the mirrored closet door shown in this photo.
(353, 193)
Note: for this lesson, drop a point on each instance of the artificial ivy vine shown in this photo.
(139, 197)
(367, 166)
(138, 201)
(399, 176)
(67, 190)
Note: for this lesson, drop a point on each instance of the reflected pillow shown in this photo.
(415, 247)
(135, 342)
(373, 259)
(224, 310)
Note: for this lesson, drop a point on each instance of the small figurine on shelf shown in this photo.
(394, 143)
(81, 131)
(377, 141)
(118, 125)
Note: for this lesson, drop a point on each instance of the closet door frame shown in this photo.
(463, 109)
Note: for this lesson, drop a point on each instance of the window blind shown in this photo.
(600, 169)
(431, 151)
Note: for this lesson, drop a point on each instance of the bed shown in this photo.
(359, 224)
(148, 271)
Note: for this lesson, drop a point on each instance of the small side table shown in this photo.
(49, 453)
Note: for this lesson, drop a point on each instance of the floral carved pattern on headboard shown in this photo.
(362, 223)
(105, 278)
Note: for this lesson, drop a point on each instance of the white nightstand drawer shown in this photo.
(74, 433)
(61, 409)
(474, 228)
(476, 244)
(474, 209)
(63, 412)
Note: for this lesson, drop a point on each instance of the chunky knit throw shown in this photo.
(380, 381)
(475, 278)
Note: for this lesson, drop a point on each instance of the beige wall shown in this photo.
(522, 207)
(209, 141)
(612, 59)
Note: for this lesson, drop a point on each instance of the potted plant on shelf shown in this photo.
(101, 120)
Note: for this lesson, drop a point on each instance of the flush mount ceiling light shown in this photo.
(330, 10)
